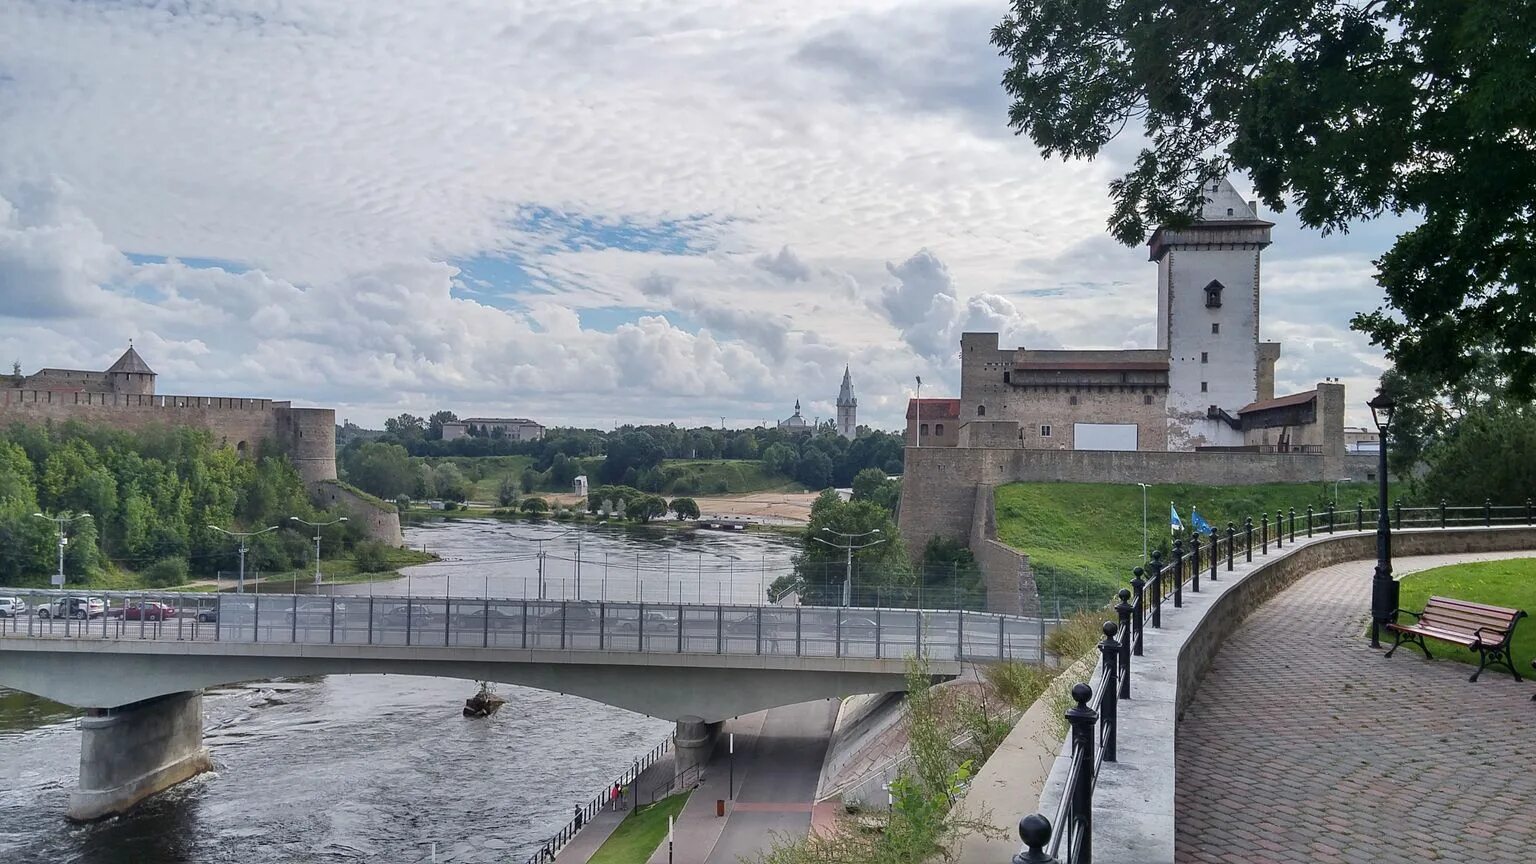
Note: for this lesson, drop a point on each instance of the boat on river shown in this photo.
(484, 703)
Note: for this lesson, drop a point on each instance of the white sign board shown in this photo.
(57, 579)
(1103, 436)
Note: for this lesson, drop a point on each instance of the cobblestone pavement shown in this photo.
(1305, 745)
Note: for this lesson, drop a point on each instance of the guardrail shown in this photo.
(1092, 720)
(585, 813)
(569, 625)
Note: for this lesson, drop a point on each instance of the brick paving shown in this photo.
(1305, 745)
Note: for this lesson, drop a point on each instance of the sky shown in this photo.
(585, 213)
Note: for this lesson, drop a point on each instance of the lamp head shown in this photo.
(294, 519)
(1382, 408)
(342, 519)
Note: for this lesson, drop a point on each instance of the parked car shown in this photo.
(12, 607)
(413, 614)
(315, 612)
(498, 620)
(209, 615)
(148, 610)
(73, 607)
(656, 620)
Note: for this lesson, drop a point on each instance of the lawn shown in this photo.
(640, 833)
(1083, 539)
(1510, 583)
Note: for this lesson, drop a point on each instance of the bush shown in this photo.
(506, 492)
(371, 556)
(534, 505)
(1077, 635)
(1018, 684)
(685, 508)
(166, 573)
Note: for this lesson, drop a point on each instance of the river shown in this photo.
(378, 768)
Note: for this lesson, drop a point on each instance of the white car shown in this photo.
(12, 607)
(74, 607)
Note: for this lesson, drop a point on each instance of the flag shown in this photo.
(1174, 522)
(1198, 521)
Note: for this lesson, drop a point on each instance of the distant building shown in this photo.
(847, 408)
(795, 422)
(939, 425)
(130, 376)
(509, 428)
(1357, 439)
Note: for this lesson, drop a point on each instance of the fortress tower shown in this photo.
(1208, 319)
(847, 408)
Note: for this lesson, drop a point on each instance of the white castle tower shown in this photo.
(847, 408)
(1208, 319)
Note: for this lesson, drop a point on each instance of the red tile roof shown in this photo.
(935, 409)
(1281, 402)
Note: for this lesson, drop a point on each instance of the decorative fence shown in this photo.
(1092, 719)
(626, 785)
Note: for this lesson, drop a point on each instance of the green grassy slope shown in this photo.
(1083, 539)
(640, 833)
(1509, 583)
(719, 477)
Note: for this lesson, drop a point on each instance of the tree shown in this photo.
(506, 491)
(645, 508)
(1491, 455)
(631, 451)
(406, 427)
(1350, 109)
(821, 567)
(685, 508)
(814, 469)
(435, 424)
(781, 459)
(381, 469)
(451, 483)
(534, 506)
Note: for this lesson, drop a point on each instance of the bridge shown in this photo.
(138, 663)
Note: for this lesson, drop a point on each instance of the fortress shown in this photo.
(124, 397)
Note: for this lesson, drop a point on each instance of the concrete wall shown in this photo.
(130, 753)
(382, 524)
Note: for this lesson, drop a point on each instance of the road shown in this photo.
(777, 780)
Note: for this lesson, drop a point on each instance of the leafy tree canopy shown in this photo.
(1350, 109)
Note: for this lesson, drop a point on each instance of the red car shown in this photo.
(150, 610)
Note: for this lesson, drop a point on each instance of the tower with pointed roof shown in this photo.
(847, 408)
(130, 375)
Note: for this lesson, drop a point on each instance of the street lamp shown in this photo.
(61, 521)
(1384, 589)
(242, 536)
(317, 526)
(1144, 488)
(1344, 479)
(848, 547)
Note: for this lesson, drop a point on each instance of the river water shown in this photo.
(378, 768)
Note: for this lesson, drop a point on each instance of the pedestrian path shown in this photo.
(592, 836)
(1303, 744)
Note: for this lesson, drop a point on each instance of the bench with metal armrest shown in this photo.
(1488, 630)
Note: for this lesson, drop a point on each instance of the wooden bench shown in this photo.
(1488, 630)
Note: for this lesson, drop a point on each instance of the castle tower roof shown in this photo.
(131, 362)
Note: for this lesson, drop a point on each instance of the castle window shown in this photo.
(981, 410)
(1006, 376)
(1215, 328)
(923, 430)
(1045, 431)
(1229, 211)
(1147, 399)
(1071, 400)
(1213, 295)
(1205, 357)
(1204, 386)
(938, 429)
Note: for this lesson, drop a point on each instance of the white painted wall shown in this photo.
(1104, 436)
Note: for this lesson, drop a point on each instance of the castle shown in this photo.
(124, 397)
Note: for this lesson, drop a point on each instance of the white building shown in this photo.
(510, 428)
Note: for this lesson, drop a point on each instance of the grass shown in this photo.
(640, 833)
(1510, 583)
(1083, 539)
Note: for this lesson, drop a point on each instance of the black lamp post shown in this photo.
(1383, 586)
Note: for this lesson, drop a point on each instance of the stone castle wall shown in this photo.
(383, 523)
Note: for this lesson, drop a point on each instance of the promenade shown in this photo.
(1303, 744)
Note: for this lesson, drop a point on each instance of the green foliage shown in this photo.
(506, 492)
(781, 459)
(1083, 538)
(381, 469)
(1510, 583)
(640, 833)
(166, 573)
(1350, 110)
(1017, 684)
(872, 484)
(645, 508)
(614, 494)
(630, 451)
(371, 556)
(814, 469)
(685, 508)
(820, 565)
(1076, 635)
(1491, 454)
(534, 505)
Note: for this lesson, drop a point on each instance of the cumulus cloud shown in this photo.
(52, 258)
(786, 265)
(925, 306)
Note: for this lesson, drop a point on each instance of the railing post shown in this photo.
(1109, 651)
(1527, 513)
(1442, 512)
(1264, 532)
(1293, 525)
(1309, 521)
(1359, 515)
(1330, 517)
(1178, 573)
(1123, 613)
(1398, 506)
(1487, 512)
(1082, 719)
(1212, 554)
(1231, 544)
(1035, 831)
(1279, 529)
(1156, 572)
(1248, 529)
(1139, 607)
(1194, 561)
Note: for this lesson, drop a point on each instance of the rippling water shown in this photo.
(354, 768)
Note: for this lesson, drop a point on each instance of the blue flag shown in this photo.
(1173, 519)
(1199, 522)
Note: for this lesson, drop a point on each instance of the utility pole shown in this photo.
(848, 547)
(60, 522)
(317, 526)
(242, 536)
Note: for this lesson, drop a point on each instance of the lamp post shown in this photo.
(242, 536)
(317, 526)
(1144, 488)
(848, 547)
(1343, 480)
(1384, 589)
(917, 409)
(60, 522)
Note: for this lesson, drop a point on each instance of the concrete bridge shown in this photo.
(138, 670)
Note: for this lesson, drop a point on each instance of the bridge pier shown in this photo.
(692, 745)
(134, 751)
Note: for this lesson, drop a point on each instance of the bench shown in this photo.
(1485, 629)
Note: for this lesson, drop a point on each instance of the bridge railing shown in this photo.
(562, 625)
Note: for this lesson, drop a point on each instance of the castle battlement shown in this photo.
(18, 396)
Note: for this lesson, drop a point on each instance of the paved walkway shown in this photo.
(1305, 745)
(592, 835)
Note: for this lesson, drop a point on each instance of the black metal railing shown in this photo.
(1093, 718)
(605, 799)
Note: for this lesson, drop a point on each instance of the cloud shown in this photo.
(52, 258)
(785, 265)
